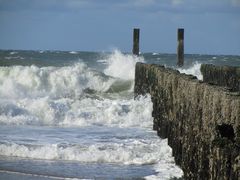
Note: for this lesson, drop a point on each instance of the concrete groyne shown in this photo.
(200, 120)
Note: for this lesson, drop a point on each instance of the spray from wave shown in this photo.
(193, 70)
(68, 81)
(32, 81)
(74, 95)
(84, 112)
(132, 152)
(122, 66)
(55, 104)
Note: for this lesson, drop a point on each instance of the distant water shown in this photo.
(72, 115)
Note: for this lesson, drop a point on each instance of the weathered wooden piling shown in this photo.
(136, 34)
(226, 76)
(180, 48)
(200, 120)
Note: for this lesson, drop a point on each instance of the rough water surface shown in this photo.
(73, 115)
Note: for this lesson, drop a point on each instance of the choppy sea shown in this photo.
(72, 115)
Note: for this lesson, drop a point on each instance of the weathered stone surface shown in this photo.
(226, 76)
(201, 121)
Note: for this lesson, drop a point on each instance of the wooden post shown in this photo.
(180, 48)
(136, 33)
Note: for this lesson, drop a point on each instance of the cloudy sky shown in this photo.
(211, 26)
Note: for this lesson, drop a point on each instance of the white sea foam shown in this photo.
(103, 61)
(193, 70)
(14, 57)
(77, 96)
(73, 52)
(152, 151)
(30, 175)
(55, 95)
(32, 81)
(166, 170)
(122, 66)
(84, 112)
(131, 151)
(13, 52)
(121, 113)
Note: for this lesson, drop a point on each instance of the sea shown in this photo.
(73, 115)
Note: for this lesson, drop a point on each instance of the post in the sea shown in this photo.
(136, 34)
(180, 48)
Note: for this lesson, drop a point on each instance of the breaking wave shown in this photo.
(193, 70)
(132, 152)
(72, 95)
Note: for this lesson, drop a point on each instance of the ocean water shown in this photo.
(72, 115)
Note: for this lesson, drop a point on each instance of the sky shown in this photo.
(211, 26)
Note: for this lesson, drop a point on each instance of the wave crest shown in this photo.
(121, 65)
(32, 81)
(130, 152)
(193, 70)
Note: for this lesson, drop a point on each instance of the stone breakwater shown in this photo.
(201, 121)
